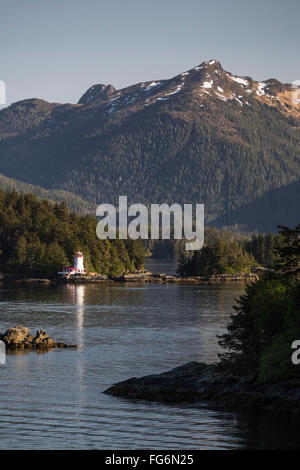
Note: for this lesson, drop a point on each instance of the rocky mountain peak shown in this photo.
(211, 64)
(96, 92)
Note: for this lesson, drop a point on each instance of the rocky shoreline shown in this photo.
(140, 276)
(19, 338)
(200, 383)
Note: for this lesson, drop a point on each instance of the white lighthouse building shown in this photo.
(78, 262)
(78, 267)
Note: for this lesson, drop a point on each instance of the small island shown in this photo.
(19, 338)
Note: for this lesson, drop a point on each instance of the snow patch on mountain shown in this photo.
(207, 84)
(260, 88)
(177, 89)
(241, 81)
(220, 96)
(152, 85)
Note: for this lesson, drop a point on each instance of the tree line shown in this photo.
(226, 252)
(39, 238)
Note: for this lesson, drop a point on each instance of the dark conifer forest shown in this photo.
(38, 238)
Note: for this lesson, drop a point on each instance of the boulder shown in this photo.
(19, 337)
(43, 340)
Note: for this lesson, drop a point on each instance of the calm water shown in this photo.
(54, 400)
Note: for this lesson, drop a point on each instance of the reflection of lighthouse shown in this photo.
(76, 294)
(79, 301)
(78, 262)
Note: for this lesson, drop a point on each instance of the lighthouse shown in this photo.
(78, 262)
(78, 267)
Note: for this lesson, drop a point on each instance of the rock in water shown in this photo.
(19, 337)
(16, 336)
(43, 340)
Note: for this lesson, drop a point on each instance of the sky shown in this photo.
(55, 50)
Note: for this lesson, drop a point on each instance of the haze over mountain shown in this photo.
(204, 136)
(75, 203)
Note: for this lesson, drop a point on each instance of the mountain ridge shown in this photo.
(203, 136)
(207, 73)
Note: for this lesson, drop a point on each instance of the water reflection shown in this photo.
(55, 400)
(75, 296)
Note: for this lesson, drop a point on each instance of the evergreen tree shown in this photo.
(261, 333)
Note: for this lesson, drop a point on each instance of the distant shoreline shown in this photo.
(138, 276)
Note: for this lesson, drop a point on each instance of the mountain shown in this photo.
(278, 206)
(204, 136)
(75, 203)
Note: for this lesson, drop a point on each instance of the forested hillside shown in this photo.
(264, 213)
(74, 203)
(38, 238)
